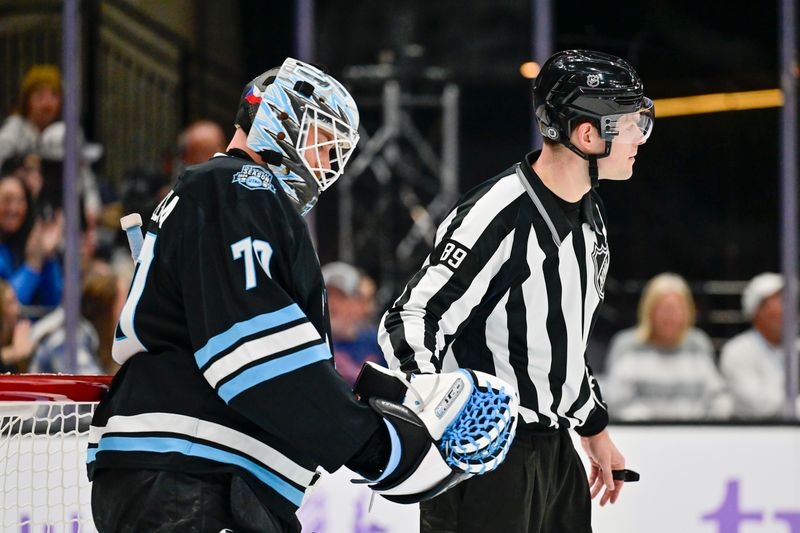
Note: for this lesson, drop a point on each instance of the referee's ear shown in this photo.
(586, 138)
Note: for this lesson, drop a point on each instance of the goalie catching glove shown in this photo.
(444, 428)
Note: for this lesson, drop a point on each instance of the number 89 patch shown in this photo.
(452, 255)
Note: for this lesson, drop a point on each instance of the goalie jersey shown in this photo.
(224, 344)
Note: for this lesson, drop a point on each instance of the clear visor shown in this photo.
(629, 128)
(325, 144)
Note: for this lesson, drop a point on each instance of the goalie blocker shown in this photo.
(444, 428)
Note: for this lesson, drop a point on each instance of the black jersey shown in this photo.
(224, 344)
(511, 288)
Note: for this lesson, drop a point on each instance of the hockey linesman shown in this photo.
(512, 288)
(227, 399)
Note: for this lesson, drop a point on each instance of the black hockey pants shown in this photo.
(159, 501)
(541, 487)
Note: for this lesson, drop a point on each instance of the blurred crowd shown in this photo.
(662, 368)
(665, 368)
(32, 240)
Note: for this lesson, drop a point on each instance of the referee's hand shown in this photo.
(605, 457)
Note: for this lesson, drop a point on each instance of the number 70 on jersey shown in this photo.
(252, 250)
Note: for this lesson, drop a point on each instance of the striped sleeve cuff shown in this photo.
(597, 422)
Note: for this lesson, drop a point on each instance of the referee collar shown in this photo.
(547, 205)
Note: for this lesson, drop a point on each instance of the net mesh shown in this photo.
(43, 465)
(478, 440)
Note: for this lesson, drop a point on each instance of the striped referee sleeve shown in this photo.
(471, 246)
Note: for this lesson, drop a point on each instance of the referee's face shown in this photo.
(619, 163)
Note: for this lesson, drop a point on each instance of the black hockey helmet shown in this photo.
(576, 86)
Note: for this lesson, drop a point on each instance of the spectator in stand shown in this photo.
(28, 246)
(16, 345)
(199, 142)
(35, 128)
(39, 106)
(27, 167)
(142, 189)
(351, 304)
(664, 367)
(101, 304)
(366, 293)
(100, 307)
(753, 362)
(52, 150)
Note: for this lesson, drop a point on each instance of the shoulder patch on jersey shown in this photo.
(601, 257)
(254, 177)
(451, 255)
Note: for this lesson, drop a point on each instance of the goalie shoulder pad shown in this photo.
(444, 428)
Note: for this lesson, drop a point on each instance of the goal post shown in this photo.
(44, 433)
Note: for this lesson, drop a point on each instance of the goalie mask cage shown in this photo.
(44, 432)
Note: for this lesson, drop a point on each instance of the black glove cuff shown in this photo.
(372, 457)
(372, 383)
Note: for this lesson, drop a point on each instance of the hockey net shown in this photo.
(44, 431)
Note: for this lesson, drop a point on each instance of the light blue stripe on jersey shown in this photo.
(226, 339)
(273, 368)
(185, 447)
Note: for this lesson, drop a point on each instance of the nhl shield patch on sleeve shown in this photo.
(254, 177)
(600, 257)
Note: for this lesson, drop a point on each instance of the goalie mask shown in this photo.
(577, 86)
(304, 125)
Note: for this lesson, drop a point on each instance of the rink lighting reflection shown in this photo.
(718, 102)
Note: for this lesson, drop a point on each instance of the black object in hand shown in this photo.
(625, 475)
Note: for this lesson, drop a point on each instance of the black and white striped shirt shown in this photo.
(513, 289)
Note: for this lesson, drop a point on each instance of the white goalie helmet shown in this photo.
(304, 125)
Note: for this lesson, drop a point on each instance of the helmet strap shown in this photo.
(593, 174)
(271, 157)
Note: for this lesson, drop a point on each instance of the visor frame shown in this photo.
(609, 132)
